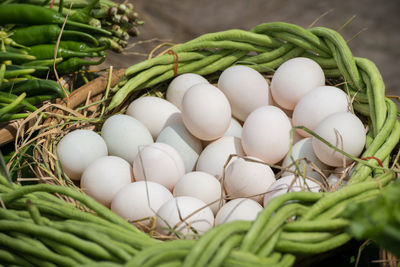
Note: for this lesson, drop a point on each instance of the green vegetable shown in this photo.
(14, 71)
(43, 62)
(13, 105)
(76, 63)
(45, 34)
(83, 15)
(378, 219)
(15, 56)
(34, 87)
(9, 98)
(46, 51)
(80, 46)
(36, 15)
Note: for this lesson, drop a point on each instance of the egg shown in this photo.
(104, 177)
(318, 104)
(335, 182)
(234, 129)
(182, 214)
(248, 177)
(238, 209)
(343, 130)
(303, 149)
(288, 112)
(266, 134)
(140, 200)
(206, 111)
(214, 157)
(159, 163)
(124, 135)
(179, 85)
(79, 148)
(293, 79)
(245, 88)
(338, 174)
(200, 185)
(155, 113)
(188, 146)
(290, 183)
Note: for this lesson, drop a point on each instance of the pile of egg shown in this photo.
(203, 154)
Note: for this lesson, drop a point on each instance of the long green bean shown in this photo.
(11, 258)
(265, 214)
(224, 250)
(89, 248)
(22, 247)
(88, 201)
(312, 248)
(212, 247)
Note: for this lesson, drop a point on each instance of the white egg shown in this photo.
(103, 178)
(293, 79)
(247, 178)
(155, 113)
(243, 209)
(266, 134)
(234, 129)
(124, 135)
(206, 112)
(303, 149)
(289, 183)
(335, 182)
(188, 146)
(200, 185)
(338, 174)
(182, 214)
(179, 85)
(288, 112)
(214, 157)
(318, 104)
(140, 200)
(77, 149)
(245, 88)
(343, 130)
(159, 163)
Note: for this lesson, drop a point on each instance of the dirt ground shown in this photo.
(376, 25)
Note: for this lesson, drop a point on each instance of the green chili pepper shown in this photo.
(10, 107)
(34, 100)
(43, 62)
(10, 117)
(19, 70)
(15, 56)
(83, 15)
(16, 73)
(22, 67)
(75, 63)
(11, 42)
(99, 13)
(15, 50)
(44, 34)
(8, 98)
(33, 87)
(46, 51)
(37, 15)
(80, 47)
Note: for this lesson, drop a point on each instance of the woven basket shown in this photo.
(295, 223)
